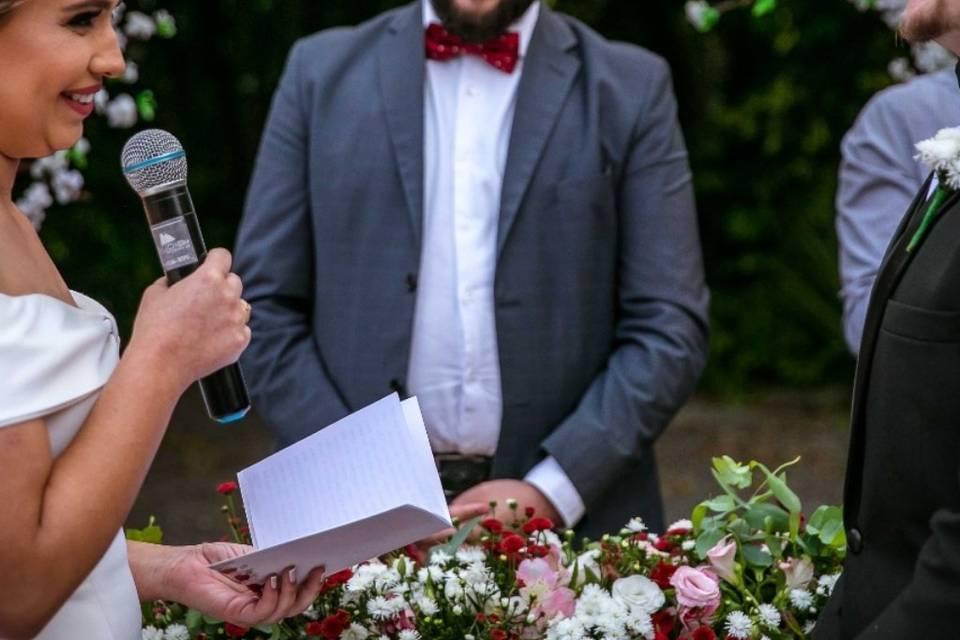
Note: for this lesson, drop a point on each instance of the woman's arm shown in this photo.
(59, 515)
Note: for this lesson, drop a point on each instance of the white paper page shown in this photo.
(368, 463)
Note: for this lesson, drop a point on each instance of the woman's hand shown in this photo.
(195, 327)
(185, 577)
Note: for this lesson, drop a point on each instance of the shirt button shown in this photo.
(854, 540)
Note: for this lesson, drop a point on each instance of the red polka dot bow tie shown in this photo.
(502, 52)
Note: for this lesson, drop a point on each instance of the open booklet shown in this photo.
(362, 487)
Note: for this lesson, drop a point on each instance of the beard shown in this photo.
(474, 28)
(926, 20)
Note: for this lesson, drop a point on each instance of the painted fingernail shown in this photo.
(273, 582)
(292, 575)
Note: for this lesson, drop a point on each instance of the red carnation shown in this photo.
(336, 579)
(662, 573)
(492, 525)
(662, 544)
(703, 633)
(511, 543)
(498, 634)
(235, 631)
(537, 524)
(226, 488)
(330, 627)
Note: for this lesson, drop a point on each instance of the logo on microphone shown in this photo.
(174, 245)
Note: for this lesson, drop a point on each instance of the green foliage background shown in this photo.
(764, 104)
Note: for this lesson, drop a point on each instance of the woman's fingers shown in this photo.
(286, 597)
(308, 592)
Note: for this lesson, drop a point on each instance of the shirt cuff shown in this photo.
(552, 481)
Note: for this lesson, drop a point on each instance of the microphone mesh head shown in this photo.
(153, 158)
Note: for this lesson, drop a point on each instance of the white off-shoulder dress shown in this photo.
(54, 359)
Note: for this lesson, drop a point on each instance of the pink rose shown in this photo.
(721, 558)
(696, 589)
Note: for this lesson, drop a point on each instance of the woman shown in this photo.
(79, 426)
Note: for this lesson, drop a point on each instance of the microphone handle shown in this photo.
(180, 247)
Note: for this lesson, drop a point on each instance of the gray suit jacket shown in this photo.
(600, 297)
(879, 177)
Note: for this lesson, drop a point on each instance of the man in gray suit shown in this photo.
(485, 204)
(879, 177)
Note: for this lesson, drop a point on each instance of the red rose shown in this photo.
(226, 488)
(703, 633)
(662, 573)
(234, 631)
(492, 525)
(498, 634)
(511, 543)
(537, 524)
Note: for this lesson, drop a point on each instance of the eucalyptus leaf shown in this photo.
(731, 473)
(757, 514)
(450, 547)
(720, 504)
(707, 540)
(756, 556)
(783, 493)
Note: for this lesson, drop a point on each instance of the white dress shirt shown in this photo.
(454, 361)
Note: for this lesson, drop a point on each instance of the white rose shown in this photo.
(638, 593)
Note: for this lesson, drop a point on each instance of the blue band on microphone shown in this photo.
(233, 417)
(173, 155)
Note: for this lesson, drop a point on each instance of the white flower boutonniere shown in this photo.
(942, 154)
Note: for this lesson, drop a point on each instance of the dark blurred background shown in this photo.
(764, 104)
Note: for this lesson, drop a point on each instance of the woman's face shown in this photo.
(54, 55)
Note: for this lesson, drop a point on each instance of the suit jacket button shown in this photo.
(411, 281)
(854, 540)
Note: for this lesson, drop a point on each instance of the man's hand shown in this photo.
(500, 491)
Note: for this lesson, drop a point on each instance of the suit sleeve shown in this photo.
(288, 383)
(877, 182)
(661, 332)
(927, 607)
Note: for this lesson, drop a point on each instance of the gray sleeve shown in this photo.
(661, 333)
(288, 382)
(877, 182)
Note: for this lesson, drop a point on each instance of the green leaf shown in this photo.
(756, 516)
(731, 473)
(763, 7)
(721, 504)
(150, 533)
(756, 556)
(783, 493)
(699, 512)
(827, 524)
(707, 540)
(146, 105)
(450, 547)
(193, 619)
(794, 525)
(775, 546)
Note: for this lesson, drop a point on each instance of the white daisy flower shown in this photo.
(151, 633)
(176, 632)
(801, 599)
(428, 606)
(636, 525)
(440, 557)
(769, 616)
(355, 632)
(380, 608)
(739, 625)
(825, 584)
(408, 634)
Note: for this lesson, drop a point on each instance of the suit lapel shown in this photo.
(891, 271)
(549, 68)
(402, 68)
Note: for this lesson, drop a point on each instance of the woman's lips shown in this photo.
(84, 105)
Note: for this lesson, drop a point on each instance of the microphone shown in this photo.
(155, 165)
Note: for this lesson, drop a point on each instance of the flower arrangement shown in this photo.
(925, 56)
(59, 177)
(746, 565)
